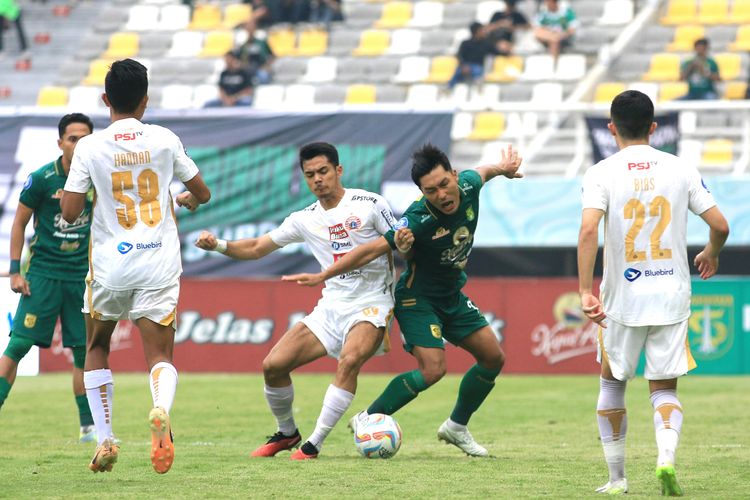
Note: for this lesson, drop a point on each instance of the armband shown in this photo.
(15, 266)
(221, 246)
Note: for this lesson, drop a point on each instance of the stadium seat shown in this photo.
(382, 69)
(663, 67)
(462, 125)
(143, 18)
(481, 97)
(330, 94)
(50, 96)
(282, 42)
(488, 125)
(396, 14)
(505, 69)
(177, 97)
(206, 17)
(681, 12)
(648, 88)
(685, 37)
(268, 96)
(321, 69)
(236, 14)
(217, 43)
(405, 41)
(742, 40)
(373, 43)
(714, 12)
(669, 91)
(289, 69)
(441, 69)
(547, 93)
(204, 93)
(122, 45)
(353, 70)
(486, 8)
(98, 69)
(735, 90)
(730, 65)
(174, 17)
(458, 15)
(422, 95)
(299, 95)
(436, 42)
(363, 16)
(427, 14)
(390, 94)
(740, 11)
(687, 122)
(84, 98)
(167, 71)
(570, 67)
(538, 67)
(360, 94)
(617, 12)
(186, 44)
(312, 43)
(607, 91)
(717, 153)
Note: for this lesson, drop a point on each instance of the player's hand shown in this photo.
(593, 310)
(304, 279)
(510, 162)
(707, 264)
(404, 239)
(19, 285)
(187, 199)
(206, 240)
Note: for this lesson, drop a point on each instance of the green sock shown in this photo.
(84, 412)
(399, 392)
(4, 390)
(475, 386)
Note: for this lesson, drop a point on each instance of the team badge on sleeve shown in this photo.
(27, 183)
(402, 223)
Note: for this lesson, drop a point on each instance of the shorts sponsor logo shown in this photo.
(370, 312)
(436, 331)
(353, 223)
(29, 321)
(337, 232)
(632, 274)
(441, 231)
(338, 245)
(711, 326)
(151, 245)
(27, 184)
(124, 247)
(571, 336)
(402, 223)
(470, 214)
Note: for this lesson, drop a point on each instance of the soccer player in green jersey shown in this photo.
(430, 306)
(54, 283)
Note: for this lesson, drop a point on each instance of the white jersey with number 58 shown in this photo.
(645, 194)
(134, 240)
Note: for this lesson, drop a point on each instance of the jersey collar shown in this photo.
(59, 170)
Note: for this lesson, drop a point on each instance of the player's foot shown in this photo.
(87, 434)
(462, 439)
(276, 443)
(305, 452)
(619, 487)
(357, 419)
(104, 457)
(162, 447)
(668, 480)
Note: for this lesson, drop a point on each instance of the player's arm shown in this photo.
(197, 193)
(508, 166)
(707, 261)
(72, 204)
(23, 215)
(588, 245)
(245, 249)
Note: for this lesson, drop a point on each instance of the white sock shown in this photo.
(455, 426)
(335, 404)
(99, 392)
(163, 382)
(280, 401)
(613, 425)
(667, 424)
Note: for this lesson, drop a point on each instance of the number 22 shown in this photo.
(148, 192)
(634, 209)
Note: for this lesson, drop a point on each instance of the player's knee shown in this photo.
(272, 368)
(433, 373)
(18, 347)
(349, 365)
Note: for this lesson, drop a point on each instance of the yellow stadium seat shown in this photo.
(735, 90)
(122, 45)
(742, 39)
(395, 15)
(52, 96)
(236, 14)
(312, 43)
(217, 43)
(730, 65)
(663, 68)
(282, 42)
(441, 69)
(488, 125)
(669, 91)
(740, 11)
(717, 153)
(206, 17)
(98, 69)
(505, 69)
(607, 91)
(681, 12)
(373, 43)
(685, 37)
(360, 94)
(714, 12)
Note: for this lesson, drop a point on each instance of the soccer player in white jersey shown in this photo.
(644, 196)
(349, 321)
(135, 250)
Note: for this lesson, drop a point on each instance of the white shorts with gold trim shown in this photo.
(160, 306)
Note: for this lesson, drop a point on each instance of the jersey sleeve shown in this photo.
(184, 166)
(383, 216)
(79, 177)
(32, 192)
(473, 178)
(700, 198)
(411, 219)
(594, 193)
(288, 232)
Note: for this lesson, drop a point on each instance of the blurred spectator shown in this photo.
(269, 12)
(700, 72)
(256, 56)
(262, 15)
(502, 28)
(10, 12)
(471, 56)
(555, 26)
(235, 85)
(325, 12)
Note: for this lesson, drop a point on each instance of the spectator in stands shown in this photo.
(502, 28)
(235, 85)
(555, 26)
(256, 55)
(10, 12)
(325, 12)
(471, 56)
(700, 72)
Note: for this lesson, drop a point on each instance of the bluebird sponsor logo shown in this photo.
(148, 246)
(402, 223)
(124, 247)
(632, 274)
(659, 272)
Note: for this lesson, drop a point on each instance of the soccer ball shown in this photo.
(378, 437)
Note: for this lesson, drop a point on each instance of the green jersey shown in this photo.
(442, 243)
(58, 250)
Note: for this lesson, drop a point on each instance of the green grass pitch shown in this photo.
(541, 432)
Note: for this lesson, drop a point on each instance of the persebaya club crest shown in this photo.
(711, 326)
(470, 214)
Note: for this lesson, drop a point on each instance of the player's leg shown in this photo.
(17, 348)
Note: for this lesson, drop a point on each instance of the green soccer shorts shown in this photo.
(37, 313)
(426, 322)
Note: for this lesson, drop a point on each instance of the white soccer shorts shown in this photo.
(331, 321)
(666, 346)
(160, 306)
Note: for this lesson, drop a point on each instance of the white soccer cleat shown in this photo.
(357, 419)
(462, 439)
(619, 487)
